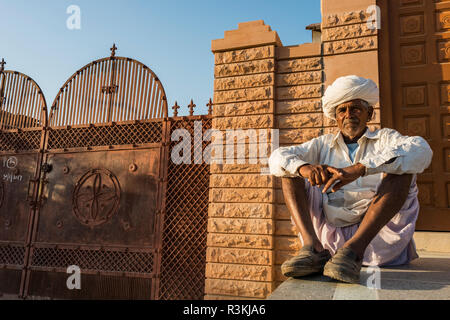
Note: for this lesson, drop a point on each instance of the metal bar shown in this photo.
(94, 93)
(139, 92)
(5, 102)
(148, 95)
(19, 102)
(33, 102)
(83, 109)
(133, 93)
(24, 104)
(125, 90)
(152, 106)
(129, 86)
(100, 102)
(13, 101)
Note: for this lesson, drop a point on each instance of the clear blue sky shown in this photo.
(172, 37)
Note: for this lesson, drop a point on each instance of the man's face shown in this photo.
(352, 117)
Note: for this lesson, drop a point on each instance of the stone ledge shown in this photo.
(244, 55)
(427, 278)
(249, 34)
(238, 288)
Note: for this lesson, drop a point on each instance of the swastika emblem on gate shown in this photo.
(96, 197)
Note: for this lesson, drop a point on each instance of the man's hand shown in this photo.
(344, 176)
(317, 175)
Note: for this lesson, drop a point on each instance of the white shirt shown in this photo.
(348, 205)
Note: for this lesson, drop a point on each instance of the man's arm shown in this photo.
(286, 161)
(398, 154)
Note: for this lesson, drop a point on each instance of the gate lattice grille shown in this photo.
(95, 136)
(185, 224)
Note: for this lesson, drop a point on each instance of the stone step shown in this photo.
(432, 241)
(426, 278)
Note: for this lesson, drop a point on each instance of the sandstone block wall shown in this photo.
(261, 85)
(240, 251)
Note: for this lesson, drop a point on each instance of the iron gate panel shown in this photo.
(22, 119)
(99, 211)
(101, 191)
(183, 263)
(104, 189)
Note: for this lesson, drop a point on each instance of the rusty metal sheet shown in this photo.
(100, 197)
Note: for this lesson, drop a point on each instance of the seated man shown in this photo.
(352, 195)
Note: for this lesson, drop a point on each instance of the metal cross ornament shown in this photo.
(210, 106)
(113, 50)
(191, 107)
(175, 109)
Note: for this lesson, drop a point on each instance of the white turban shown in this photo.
(348, 88)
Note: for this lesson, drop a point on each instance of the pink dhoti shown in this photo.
(393, 245)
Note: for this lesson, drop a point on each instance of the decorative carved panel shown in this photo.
(425, 194)
(413, 54)
(445, 93)
(442, 20)
(411, 25)
(415, 96)
(418, 126)
(446, 126)
(443, 51)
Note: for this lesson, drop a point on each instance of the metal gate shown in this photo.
(99, 194)
(22, 119)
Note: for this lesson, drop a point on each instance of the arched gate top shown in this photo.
(112, 89)
(22, 103)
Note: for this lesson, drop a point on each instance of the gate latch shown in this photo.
(46, 167)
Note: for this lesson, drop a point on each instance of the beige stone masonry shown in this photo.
(296, 136)
(305, 120)
(241, 226)
(243, 108)
(239, 256)
(348, 32)
(297, 65)
(299, 106)
(248, 35)
(299, 92)
(236, 168)
(238, 272)
(300, 51)
(281, 212)
(241, 181)
(239, 122)
(334, 20)
(292, 79)
(239, 82)
(241, 95)
(248, 241)
(241, 210)
(283, 255)
(238, 288)
(242, 195)
(244, 68)
(288, 243)
(285, 228)
(244, 55)
(351, 45)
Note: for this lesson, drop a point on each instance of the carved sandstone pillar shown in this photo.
(240, 255)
